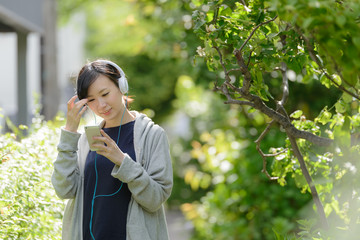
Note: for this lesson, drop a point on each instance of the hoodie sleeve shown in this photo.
(66, 171)
(151, 187)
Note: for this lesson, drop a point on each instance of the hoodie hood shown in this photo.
(143, 124)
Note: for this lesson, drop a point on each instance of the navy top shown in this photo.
(109, 212)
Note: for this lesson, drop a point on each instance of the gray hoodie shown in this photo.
(149, 179)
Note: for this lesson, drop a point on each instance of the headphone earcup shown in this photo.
(123, 85)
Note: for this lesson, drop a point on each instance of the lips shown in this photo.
(107, 112)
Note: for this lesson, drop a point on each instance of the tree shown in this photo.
(257, 46)
(218, 158)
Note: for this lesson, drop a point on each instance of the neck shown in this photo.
(128, 117)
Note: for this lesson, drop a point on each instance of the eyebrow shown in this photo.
(102, 90)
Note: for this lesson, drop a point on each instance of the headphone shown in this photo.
(123, 84)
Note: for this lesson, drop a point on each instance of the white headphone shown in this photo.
(123, 84)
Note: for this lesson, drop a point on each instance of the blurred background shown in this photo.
(219, 189)
(39, 56)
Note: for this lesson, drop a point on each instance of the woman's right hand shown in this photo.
(74, 112)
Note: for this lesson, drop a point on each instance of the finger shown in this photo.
(104, 137)
(82, 102)
(104, 141)
(73, 98)
(78, 109)
(108, 140)
(99, 146)
(104, 134)
(70, 103)
(82, 110)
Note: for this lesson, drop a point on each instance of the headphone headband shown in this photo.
(123, 84)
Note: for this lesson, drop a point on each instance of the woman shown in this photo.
(118, 191)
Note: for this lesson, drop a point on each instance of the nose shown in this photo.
(102, 103)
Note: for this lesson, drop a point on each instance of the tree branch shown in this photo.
(305, 172)
(216, 12)
(238, 102)
(341, 76)
(240, 60)
(258, 104)
(227, 77)
(313, 56)
(244, 71)
(250, 54)
(234, 70)
(230, 100)
(285, 122)
(285, 82)
(252, 33)
(264, 156)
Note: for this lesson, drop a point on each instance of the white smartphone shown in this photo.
(92, 131)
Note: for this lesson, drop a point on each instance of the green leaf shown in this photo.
(259, 77)
(337, 79)
(340, 20)
(324, 116)
(325, 81)
(340, 106)
(307, 22)
(342, 135)
(297, 114)
(347, 98)
(356, 41)
(328, 209)
(272, 35)
(277, 235)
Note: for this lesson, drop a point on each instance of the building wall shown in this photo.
(26, 14)
(8, 74)
(70, 54)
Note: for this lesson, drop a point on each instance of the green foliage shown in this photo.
(301, 30)
(29, 208)
(240, 202)
(334, 28)
(261, 43)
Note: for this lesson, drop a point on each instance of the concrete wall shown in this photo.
(71, 55)
(70, 50)
(8, 73)
(23, 14)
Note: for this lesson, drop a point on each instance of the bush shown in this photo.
(29, 208)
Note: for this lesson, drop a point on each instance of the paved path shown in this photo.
(179, 228)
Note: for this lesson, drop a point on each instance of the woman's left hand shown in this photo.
(108, 148)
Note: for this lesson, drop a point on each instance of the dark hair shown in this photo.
(90, 72)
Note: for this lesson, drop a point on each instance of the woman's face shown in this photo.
(105, 100)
